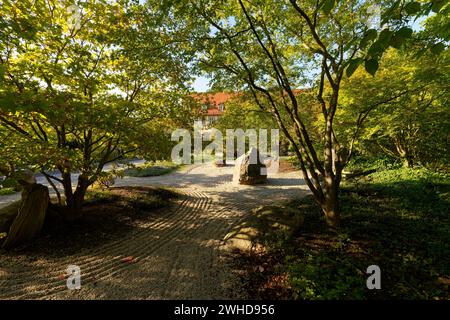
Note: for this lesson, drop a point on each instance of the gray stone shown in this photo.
(249, 170)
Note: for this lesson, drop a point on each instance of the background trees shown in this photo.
(81, 88)
(405, 106)
(271, 48)
(85, 85)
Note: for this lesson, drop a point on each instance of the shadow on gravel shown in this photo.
(166, 251)
(170, 259)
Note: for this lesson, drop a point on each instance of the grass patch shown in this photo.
(151, 169)
(7, 191)
(136, 198)
(397, 219)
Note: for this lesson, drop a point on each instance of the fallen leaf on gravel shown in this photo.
(128, 259)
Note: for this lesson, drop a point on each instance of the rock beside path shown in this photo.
(249, 169)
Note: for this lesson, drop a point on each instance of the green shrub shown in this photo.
(7, 191)
(145, 198)
(325, 276)
(150, 170)
(9, 183)
(378, 164)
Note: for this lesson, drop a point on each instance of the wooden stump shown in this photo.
(31, 215)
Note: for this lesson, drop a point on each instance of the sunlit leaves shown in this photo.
(97, 84)
(418, 110)
(384, 39)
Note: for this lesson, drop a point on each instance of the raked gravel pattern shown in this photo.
(175, 256)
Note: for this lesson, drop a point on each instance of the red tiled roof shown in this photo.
(213, 100)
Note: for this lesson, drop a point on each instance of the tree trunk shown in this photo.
(333, 171)
(76, 199)
(330, 205)
(404, 152)
(407, 163)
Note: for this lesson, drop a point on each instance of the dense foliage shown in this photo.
(82, 86)
(405, 107)
(270, 49)
(354, 85)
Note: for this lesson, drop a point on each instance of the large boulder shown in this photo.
(249, 169)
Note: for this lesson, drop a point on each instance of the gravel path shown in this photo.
(175, 256)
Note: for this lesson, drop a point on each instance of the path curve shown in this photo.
(176, 256)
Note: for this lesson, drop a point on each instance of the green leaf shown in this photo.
(404, 32)
(369, 35)
(350, 43)
(437, 5)
(352, 66)
(381, 44)
(412, 7)
(437, 48)
(397, 41)
(420, 52)
(400, 36)
(371, 66)
(385, 36)
(375, 49)
(327, 6)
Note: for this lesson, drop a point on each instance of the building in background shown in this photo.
(212, 105)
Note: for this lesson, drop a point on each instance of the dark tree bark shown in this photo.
(75, 199)
(330, 205)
